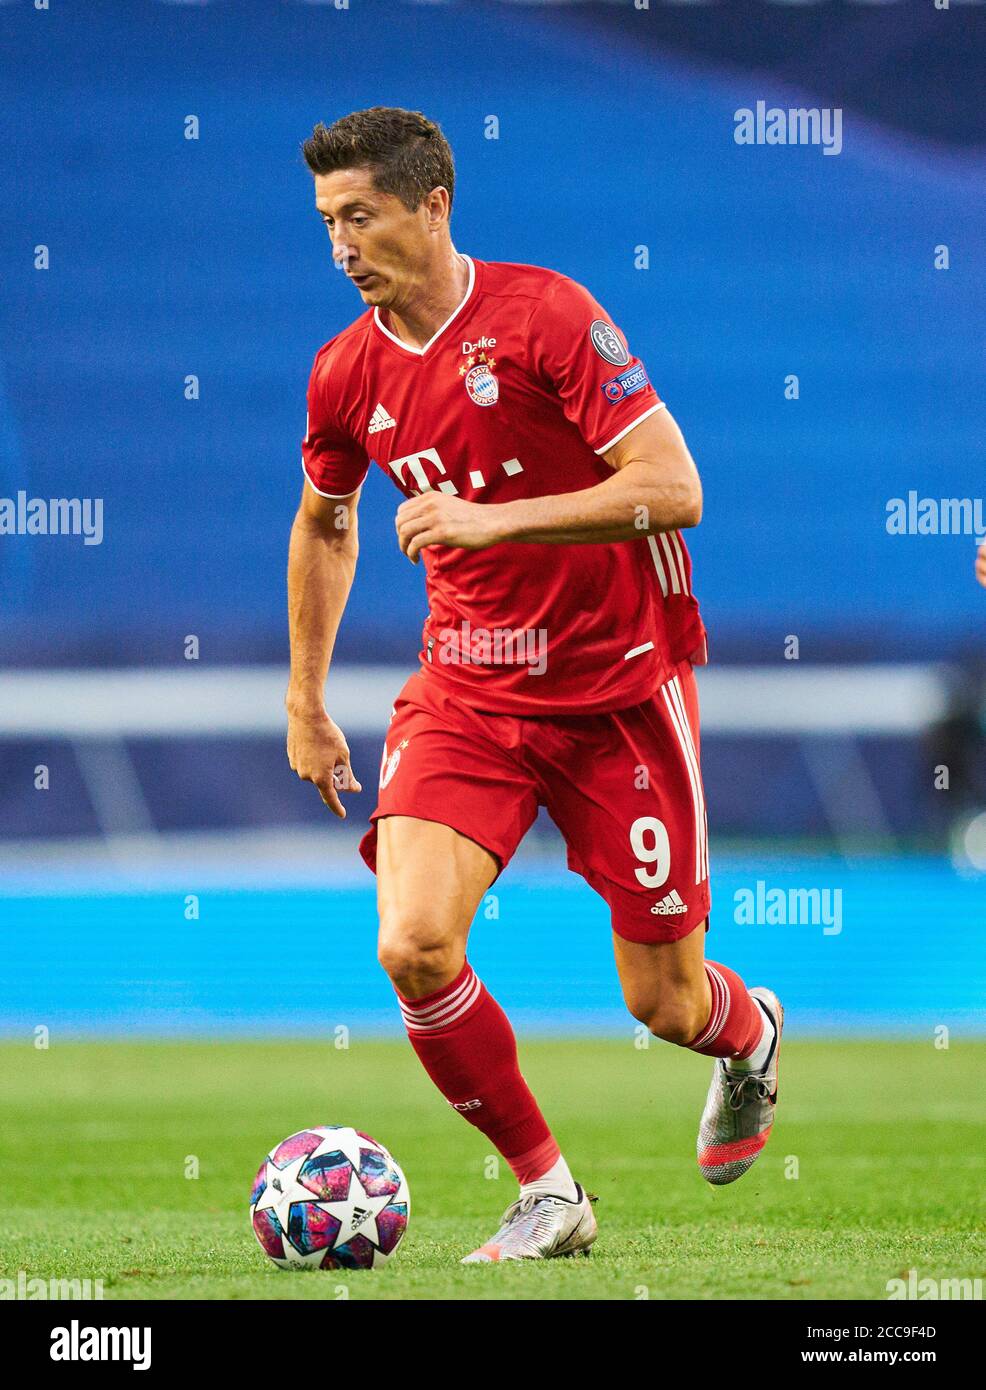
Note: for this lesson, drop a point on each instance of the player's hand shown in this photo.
(318, 752)
(981, 564)
(437, 519)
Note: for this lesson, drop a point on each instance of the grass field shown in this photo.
(887, 1141)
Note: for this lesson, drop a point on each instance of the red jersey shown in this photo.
(518, 394)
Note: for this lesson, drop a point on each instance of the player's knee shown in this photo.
(678, 1025)
(416, 956)
(677, 1018)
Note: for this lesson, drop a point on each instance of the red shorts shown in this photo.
(624, 789)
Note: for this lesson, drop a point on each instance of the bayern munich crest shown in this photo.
(480, 381)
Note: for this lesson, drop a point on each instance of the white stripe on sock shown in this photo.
(446, 1012)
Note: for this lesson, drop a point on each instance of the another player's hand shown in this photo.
(981, 564)
(437, 519)
(318, 752)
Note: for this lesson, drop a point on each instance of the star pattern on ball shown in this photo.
(357, 1213)
(282, 1188)
(341, 1141)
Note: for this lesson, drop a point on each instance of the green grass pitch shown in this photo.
(876, 1166)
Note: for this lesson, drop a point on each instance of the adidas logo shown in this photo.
(380, 420)
(670, 905)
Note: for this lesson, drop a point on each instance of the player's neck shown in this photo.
(433, 302)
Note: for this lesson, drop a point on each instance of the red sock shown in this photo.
(466, 1045)
(735, 1024)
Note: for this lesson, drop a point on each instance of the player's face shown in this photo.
(382, 247)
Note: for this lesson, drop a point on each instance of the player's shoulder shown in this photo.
(550, 303)
(342, 354)
(512, 279)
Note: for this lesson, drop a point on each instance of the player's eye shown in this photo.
(359, 220)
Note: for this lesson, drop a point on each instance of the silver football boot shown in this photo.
(739, 1109)
(540, 1228)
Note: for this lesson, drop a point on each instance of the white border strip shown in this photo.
(189, 699)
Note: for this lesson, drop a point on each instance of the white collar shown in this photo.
(420, 351)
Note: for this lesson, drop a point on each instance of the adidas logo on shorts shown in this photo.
(670, 905)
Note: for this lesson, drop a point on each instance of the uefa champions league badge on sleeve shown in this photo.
(481, 383)
(608, 343)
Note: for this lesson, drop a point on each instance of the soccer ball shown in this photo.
(332, 1198)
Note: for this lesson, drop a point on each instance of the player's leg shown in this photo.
(456, 798)
(743, 1027)
(705, 1007)
(670, 986)
(665, 984)
(430, 881)
(632, 810)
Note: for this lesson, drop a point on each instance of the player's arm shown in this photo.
(321, 565)
(655, 487)
(981, 564)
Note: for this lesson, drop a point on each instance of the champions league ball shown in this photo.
(331, 1198)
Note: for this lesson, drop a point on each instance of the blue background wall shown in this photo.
(906, 957)
(171, 257)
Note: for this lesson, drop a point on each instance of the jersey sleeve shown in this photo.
(334, 463)
(584, 358)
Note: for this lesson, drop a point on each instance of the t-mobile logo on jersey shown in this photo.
(419, 474)
(415, 465)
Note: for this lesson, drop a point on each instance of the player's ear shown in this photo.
(438, 205)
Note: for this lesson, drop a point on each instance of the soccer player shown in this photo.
(981, 564)
(545, 488)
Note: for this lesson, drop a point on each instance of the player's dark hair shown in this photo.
(407, 154)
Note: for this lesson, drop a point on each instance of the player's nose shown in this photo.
(344, 253)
